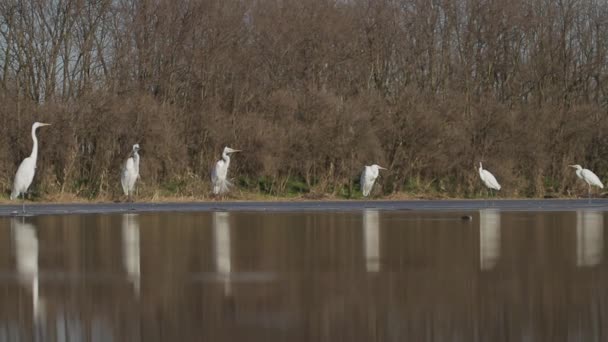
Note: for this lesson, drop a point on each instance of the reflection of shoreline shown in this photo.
(284, 205)
(489, 238)
(589, 237)
(130, 245)
(26, 260)
(371, 240)
(221, 235)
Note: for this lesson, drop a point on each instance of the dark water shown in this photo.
(316, 276)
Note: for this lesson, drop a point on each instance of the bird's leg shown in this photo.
(487, 197)
(23, 203)
(589, 192)
(131, 200)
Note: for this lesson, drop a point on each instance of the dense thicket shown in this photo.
(311, 90)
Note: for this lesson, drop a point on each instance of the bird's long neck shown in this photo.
(375, 171)
(226, 158)
(136, 160)
(34, 154)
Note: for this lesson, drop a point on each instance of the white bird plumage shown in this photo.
(219, 174)
(27, 168)
(130, 172)
(488, 179)
(368, 178)
(589, 177)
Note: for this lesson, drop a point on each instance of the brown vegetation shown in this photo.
(311, 90)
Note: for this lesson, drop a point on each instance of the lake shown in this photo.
(354, 275)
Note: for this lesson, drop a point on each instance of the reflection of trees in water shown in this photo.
(66, 263)
(429, 285)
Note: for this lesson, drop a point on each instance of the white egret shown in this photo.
(130, 172)
(220, 172)
(488, 179)
(27, 168)
(368, 177)
(589, 177)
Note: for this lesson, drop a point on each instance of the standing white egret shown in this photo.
(488, 179)
(130, 172)
(27, 168)
(220, 172)
(368, 177)
(589, 177)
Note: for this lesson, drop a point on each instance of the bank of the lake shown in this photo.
(459, 206)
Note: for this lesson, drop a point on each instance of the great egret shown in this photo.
(27, 168)
(589, 177)
(368, 177)
(130, 172)
(488, 179)
(220, 171)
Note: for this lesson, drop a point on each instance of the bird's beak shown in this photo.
(571, 166)
(235, 151)
(44, 124)
(382, 168)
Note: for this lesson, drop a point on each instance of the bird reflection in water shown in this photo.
(489, 238)
(130, 249)
(26, 258)
(589, 237)
(371, 240)
(221, 236)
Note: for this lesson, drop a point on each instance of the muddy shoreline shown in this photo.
(298, 206)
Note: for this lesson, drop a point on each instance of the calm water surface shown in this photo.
(351, 276)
